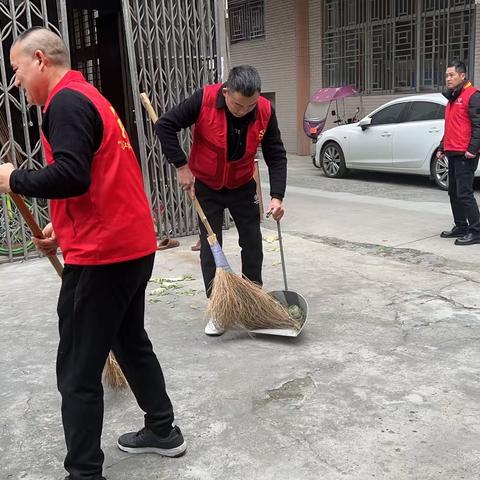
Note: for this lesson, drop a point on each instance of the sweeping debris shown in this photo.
(170, 286)
(270, 239)
(296, 312)
(235, 302)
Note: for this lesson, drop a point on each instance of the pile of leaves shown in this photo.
(171, 286)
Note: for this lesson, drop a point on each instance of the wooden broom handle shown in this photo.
(34, 227)
(148, 107)
(202, 216)
(154, 117)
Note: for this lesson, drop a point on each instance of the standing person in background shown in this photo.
(461, 144)
(95, 183)
(230, 121)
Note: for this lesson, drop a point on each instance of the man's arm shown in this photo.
(275, 158)
(440, 152)
(440, 146)
(474, 113)
(181, 116)
(74, 129)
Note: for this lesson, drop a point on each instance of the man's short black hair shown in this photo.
(458, 65)
(244, 79)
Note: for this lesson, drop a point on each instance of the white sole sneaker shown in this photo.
(213, 330)
(170, 452)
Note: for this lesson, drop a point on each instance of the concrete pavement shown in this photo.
(382, 383)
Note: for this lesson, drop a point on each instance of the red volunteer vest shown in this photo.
(112, 222)
(458, 126)
(208, 157)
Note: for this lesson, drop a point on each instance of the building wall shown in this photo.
(315, 45)
(476, 70)
(274, 57)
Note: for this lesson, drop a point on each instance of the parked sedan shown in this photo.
(401, 136)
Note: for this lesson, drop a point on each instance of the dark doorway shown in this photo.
(98, 49)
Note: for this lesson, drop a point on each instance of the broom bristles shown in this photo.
(113, 375)
(238, 303)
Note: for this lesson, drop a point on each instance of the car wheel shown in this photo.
(439, 172)
(332, 161)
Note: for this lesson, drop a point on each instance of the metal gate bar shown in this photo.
(23, 144)
(172, 50)
(172, 45)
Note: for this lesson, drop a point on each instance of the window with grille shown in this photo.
(84, 48)
(387, 46)
(246, 19)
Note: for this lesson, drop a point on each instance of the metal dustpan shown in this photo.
(287, 298)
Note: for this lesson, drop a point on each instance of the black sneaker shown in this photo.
(69, 478)
(145, 441)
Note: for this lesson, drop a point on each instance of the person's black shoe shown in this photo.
(145, 441)
(454, 232)
(468, 239)
(68, 478)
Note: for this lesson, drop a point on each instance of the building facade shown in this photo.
(384, 48)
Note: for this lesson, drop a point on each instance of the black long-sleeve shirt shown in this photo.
(186, 114)
(74, 129)
(474, 114)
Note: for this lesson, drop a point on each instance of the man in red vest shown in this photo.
(102, 222)
(230, 122)
(461, 144)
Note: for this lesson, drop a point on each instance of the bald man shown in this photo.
(97, 201)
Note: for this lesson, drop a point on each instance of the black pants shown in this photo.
(461, 173)
(102, 308)
(243, 206)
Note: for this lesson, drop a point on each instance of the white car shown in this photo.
(401, 136)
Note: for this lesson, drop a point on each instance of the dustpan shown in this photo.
(287, 298)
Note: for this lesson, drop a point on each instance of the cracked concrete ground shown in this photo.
(383, 383)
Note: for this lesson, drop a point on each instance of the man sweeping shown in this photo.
(231, 121)
(102, 222)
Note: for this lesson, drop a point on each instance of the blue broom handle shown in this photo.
(280, 241)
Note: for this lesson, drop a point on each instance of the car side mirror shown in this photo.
(364, 123)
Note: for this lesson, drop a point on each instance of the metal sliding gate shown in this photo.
(171, 48)
(22, 142)
(172, 51)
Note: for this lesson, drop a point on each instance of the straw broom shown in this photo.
(236, 302)
(112, 373)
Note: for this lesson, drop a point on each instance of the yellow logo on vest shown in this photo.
(261, 135)
(124, 143)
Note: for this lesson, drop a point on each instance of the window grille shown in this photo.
(387, 46)
(246, 19)
(85, 46)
